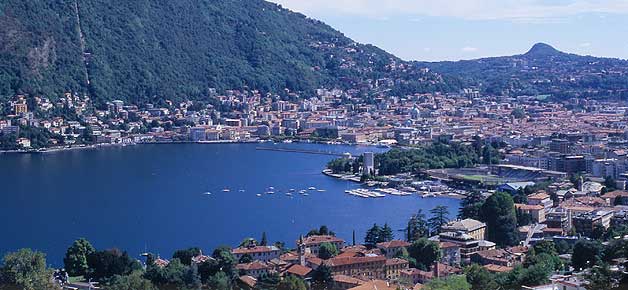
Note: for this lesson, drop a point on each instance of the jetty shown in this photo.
(300, 151)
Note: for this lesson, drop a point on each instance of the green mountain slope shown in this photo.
(136, 50)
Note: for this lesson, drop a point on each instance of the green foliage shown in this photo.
(322, 278)
(450, 283)
(264, 240)
(268, 281)
(523, 218)
(219, 281)
(186, 255)
(424, 253)
(438, 219)
(437, 155)
(589, 253)
(325, 133)
(600, 278)
(246, 258)
(75, 260)
(327, 250)
(471, 205)
(27, 270)
(292, 283)
(134, 281)
(377, 234)
(175, 274)
(141, 52)
(479, 278)
(108, 263)
(498, 212)
(322, 231)
(417, 227)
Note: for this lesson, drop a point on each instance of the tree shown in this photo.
(523, 218)
(292, 283)
(372, 236)
(600, 278)
(449, 283)
(417, 227)
(386, 234)
(186, 255)
(106, 264)
(248, 242)
(439, 218)
(322, 277)
(327, 250)
(589, 253)
(498, 212)
(134, 281)
(610, 184)
(219, 281)
(479, 278)
(424, 252)
(245, 259)
(264, 241)
(75, 260)
(26, 270)
(267, 281)
(470, 206)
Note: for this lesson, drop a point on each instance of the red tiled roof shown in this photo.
(339, 261)
(497, 269)
(395, 261)
(316, 240)
(393, 244)
(255, 265)
(256, 249)
(299, 270)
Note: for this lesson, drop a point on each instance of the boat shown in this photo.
(311, 188)
(207, 193)
(259, 194)
(301, 191)
(241, 190)
(321, 190)
(292, 190)
(226, 190)
(270, 192)
(288, 194)
(305, 194)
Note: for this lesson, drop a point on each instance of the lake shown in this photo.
(154, 198)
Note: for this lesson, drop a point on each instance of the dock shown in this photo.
(300, 151)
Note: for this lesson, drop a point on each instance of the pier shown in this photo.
(300, 151)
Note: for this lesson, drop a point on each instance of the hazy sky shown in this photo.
(465, 29)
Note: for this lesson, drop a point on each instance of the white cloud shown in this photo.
(520, 10)
(469, 49)
(585, 44)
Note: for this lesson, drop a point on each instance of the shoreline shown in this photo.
(108, 145)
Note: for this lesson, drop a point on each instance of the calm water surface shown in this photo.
(152, 198)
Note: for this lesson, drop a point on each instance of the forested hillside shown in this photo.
(137, 50)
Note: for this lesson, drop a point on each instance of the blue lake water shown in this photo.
(152, 197)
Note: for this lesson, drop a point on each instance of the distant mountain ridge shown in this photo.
(146, 50)
(541, 70)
